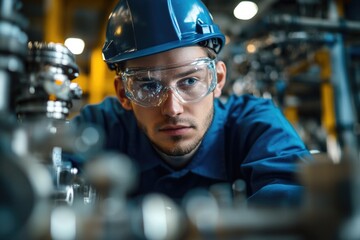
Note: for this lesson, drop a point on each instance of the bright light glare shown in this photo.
(75, 45)
(63, 224)
(245, 10)
(154, 214)
(251, 48)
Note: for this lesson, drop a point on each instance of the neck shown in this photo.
(178, 162)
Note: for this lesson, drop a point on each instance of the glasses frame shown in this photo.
(211, 65)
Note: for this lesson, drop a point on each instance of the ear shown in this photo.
(120, 93)
(221, 78)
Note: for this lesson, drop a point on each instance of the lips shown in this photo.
(172, 127)
(175, 129)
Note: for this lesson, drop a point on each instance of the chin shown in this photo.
(179, 149)
(177, 152)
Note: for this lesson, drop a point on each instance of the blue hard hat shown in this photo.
(138, 28)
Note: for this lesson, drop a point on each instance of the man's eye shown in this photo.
(188, 82)
(150, 86)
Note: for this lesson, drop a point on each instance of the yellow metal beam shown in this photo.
(322, 58)
(292, 114)
(101, 78)
(97, 76)
(54, 21)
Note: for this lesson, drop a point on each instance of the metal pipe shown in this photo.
(285, 20)
(13, 50)
(346, 119)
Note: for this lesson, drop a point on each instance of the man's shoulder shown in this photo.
(106, 103)
(109, 110)
(244, 104)
(110, 105)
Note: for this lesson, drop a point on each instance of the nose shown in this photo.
(171, 106)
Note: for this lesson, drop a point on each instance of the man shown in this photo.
(167, 116)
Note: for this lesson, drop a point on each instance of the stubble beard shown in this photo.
(178, 149)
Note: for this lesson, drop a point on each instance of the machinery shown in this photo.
(45, 197)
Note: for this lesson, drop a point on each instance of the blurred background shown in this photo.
(304, 54)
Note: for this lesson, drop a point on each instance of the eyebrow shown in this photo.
(147, 79)
(184, 74)
(179, 75)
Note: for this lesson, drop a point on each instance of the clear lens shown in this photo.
(189, 82)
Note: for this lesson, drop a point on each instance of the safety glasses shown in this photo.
(189, 82)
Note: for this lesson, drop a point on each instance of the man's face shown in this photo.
(174, 127)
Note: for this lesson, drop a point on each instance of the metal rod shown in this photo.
(285, 20)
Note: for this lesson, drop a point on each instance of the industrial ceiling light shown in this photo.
(245, 10)
(75, 45)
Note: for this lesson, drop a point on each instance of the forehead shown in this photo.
(175, 56)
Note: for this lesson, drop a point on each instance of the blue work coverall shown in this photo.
(249, 139)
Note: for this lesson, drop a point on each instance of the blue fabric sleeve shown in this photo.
(271, 152)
